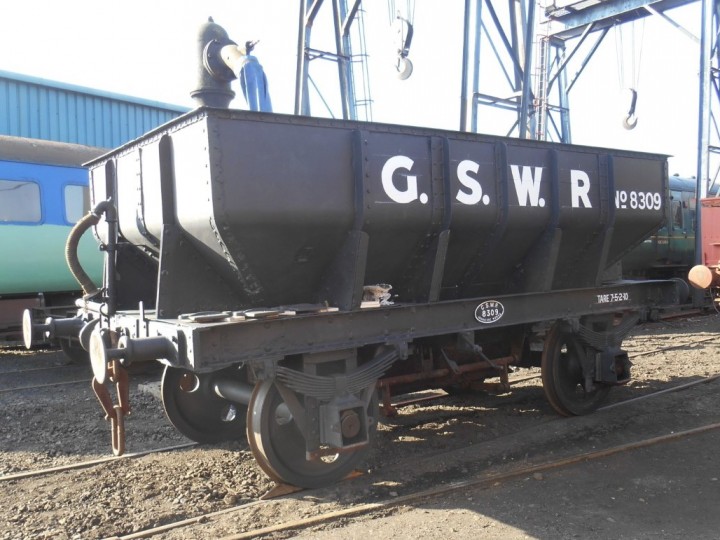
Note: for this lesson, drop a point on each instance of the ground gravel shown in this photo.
(426, 445)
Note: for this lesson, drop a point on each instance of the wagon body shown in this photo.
(242, 210)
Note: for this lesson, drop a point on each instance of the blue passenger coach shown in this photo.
(43, 193)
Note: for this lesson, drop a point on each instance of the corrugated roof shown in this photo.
(41, 109)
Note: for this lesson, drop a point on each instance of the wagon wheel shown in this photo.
(279, 446)
(196, 411)
(562, 376)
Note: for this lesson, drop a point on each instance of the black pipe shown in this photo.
(213, 86)
(234, 391)
(71, 256)
(71, 248)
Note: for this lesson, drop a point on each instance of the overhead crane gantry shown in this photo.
(533, 60)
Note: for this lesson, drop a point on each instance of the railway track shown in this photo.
(456, 487)
(46, 372)
(135, 455)
(80, 374)
(42, 386)
(494, 477)
(674, 346)
(360, 509)
(41, 369)
(92, 462)
(53, 370)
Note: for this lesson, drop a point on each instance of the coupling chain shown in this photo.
(118, 376)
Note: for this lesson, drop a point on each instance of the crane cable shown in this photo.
(394, 12)
(630, 119)
(404, 22)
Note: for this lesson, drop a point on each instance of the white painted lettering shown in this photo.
(464, 169)
(579, 188)
(527, 185)
(391, 165)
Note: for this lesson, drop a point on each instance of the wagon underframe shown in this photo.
(297, 386)
(209, 346)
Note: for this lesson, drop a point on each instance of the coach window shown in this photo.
(77, 202)
(20, 202)
(677, 215)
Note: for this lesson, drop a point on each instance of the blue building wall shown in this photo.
(42, 109)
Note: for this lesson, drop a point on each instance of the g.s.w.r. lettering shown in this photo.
(400, 184)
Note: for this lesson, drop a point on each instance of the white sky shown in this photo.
(147, 49)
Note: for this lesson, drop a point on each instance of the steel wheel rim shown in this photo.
(279, 446)
(196, 411)
(562, 377)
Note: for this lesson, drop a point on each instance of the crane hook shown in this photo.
(630, 120)
(404, 66)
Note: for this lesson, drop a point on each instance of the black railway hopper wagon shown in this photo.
(294, 273)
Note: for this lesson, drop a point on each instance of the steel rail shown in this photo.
(92, 462)
(46, 368)
(185, 522)
(660, 392)
(672, 347)
(38, 386)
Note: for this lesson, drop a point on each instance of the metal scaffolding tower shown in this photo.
(503, 84)
(354, 100)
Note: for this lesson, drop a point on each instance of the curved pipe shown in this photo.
(71, 256)
(71, 246)
(213, 86)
